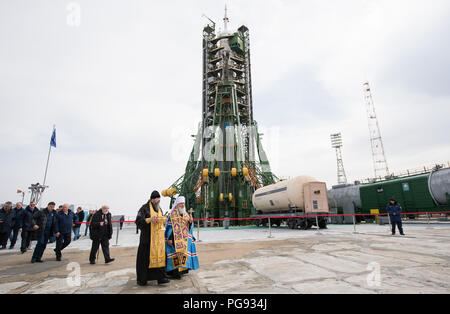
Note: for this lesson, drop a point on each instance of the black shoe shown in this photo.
(39, 261)
(402, 234)
(58, 258)
(33, 260)
(175, 276)
(109, 260)
(142, 284)
(92, 262)
(163, 281)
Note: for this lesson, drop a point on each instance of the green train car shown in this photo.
(427, 192)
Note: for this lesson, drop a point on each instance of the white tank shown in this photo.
(302, 193)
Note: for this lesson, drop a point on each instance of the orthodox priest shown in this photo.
(180, 249)
(151, 255)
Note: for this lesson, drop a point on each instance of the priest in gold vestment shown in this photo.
(151, 255)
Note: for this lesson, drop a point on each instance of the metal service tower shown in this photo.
(380, 165)
(227, 163)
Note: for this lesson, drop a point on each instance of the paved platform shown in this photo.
(245, 260)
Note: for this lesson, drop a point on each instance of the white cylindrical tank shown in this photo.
(282, 196)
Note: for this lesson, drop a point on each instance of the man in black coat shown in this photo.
(143, 222)
(16, 226)
(27, 227)
(45, 220)
(5, 224)
(100, 230)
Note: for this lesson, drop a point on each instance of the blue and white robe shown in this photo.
(192, 256)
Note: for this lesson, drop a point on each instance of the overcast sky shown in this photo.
(122, 82)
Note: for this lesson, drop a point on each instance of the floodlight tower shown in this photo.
(336, 142)
(379, 157)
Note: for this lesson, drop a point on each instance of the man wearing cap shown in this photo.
(395, 215)
(151, 255)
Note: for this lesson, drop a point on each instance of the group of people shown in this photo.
(47, 225)
(166, 246)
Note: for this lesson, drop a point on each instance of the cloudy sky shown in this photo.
(122, 82)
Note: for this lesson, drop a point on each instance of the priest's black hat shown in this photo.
(155, 194)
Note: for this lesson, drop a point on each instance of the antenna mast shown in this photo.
(379, 157)
(225, 21)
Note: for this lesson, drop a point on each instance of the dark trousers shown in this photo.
(105, 249)
(26, 240)
(41, 245)
(62, 242)
(399, 226)
(13, 236)
(4, 239)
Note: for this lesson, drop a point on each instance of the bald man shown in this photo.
(101, 232)
(65, 221)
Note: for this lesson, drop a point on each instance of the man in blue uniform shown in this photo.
(65, 221)
(395, 215)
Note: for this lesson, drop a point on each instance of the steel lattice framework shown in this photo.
(227, 162)
(381, 168)
(336, 143)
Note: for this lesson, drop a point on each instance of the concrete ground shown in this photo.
(245, 260)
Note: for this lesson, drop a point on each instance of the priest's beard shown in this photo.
(155, 205)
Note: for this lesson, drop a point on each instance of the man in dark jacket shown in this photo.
(77, 227)
(16, 226)
(395, 210)
(45, 220)
(53, 236)
(101, 231)
(27, 227)
(65, 221)
(5, 224)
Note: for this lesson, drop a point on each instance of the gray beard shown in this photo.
(155, 206)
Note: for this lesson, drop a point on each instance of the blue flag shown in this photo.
(53, 139)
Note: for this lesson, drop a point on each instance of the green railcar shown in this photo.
(411, 192)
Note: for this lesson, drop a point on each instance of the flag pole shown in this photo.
(48, 157)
